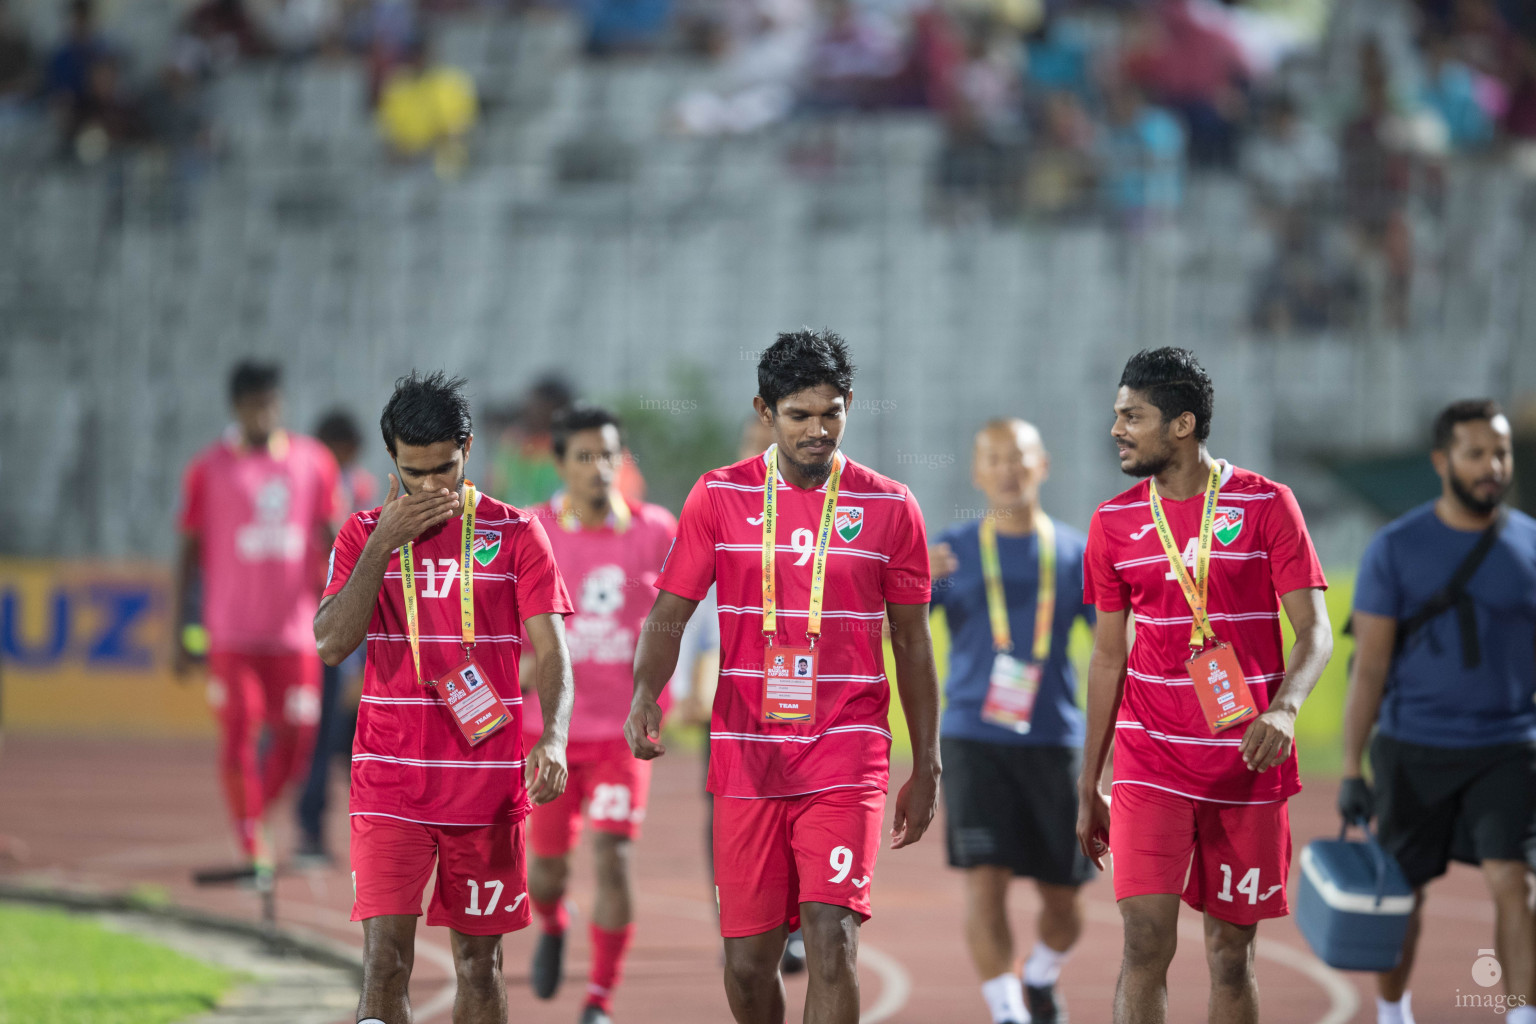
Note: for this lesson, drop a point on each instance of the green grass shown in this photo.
(57, 968)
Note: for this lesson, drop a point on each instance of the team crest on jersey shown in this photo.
(849, 522)
(1227, 524)
(487, 546)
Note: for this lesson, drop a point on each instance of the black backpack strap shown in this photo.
(1454, 595)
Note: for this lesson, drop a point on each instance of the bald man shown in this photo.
(1009, 580)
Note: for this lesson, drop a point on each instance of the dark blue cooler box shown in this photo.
(1354, 904)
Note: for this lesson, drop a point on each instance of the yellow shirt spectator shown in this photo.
(422, 107)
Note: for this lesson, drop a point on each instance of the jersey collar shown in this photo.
(838, 457)
(278, 443)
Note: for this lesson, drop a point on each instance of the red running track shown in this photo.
(115, 815)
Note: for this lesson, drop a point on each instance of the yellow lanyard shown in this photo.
(818, 563)
(466, 585)
(1045, 599)
(618, 514)
(1197, 589)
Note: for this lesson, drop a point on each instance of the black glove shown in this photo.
(1356, 801)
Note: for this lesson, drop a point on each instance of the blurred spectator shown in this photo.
(1057, 59)
(298, 28)
(1141, 159)
(623, 26)
(225, 33)
(428, 108)
(1188, 67)
(386, 31)
(1378, 173)
(106, 120)
(1466, 101)
(16, 60)
(68, 74)
(856, 59)
(1059, 171)
(763, 47)
(1520, 115)
(981, 157)
(523, 464)
(1310, 283)
(1290, 161)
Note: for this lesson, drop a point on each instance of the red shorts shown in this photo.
(607, 780)
(773, 854)
(280, 689)
(482, 879)
(1229, 860)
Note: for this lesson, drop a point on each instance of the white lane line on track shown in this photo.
(1343, 1000)
(895, 984)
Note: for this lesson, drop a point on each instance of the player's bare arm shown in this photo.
(1106, 686)
(341, 623)
(1269, 739)
(546, 769)
(917, 684)
(655, 661)
(187, 559)
(1375, 639)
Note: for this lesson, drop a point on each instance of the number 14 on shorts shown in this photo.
(1248, 886)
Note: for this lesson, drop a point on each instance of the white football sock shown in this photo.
(371, 1020)
(1522, 1015)
(1043, 966)
(1005, 998)
(1400, 1012)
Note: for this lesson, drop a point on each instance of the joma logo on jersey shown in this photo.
(849, 522)
(487, 546)
(1227, 524)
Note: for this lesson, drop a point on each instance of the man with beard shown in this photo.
(1445, 668)
(810, 552)
(1202, 709)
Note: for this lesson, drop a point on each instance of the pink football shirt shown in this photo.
(261, 518)
(612, 577)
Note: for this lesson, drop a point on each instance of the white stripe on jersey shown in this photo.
(738, 609)
(785, 549)
(1192, 796)
(1186, 620)
(758, 674)
(421, 700)
(1143, 506)
(1186, 681)
(1236, 556)
(456, 639)
(753, 737)
(418, 821)
(436, 764)
(1198, 741)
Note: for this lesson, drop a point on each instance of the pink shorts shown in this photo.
(775, 853)
(606, 780)
(482, 878)
(1228, 860)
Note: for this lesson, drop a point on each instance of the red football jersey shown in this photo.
(613, 577)
(409, 760)
(878, 553)
(1259, 551)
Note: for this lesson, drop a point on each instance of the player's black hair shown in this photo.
(337, 427)
(426, 410)
(803, 359)
(253, 378)
(1467, 410)
(578, 418)
(1175, 382)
